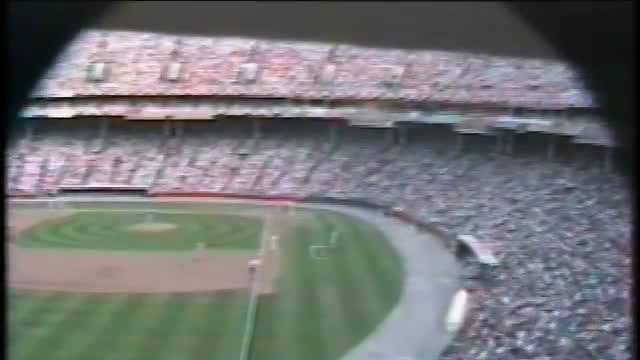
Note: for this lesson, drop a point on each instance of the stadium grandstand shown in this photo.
(508, 150)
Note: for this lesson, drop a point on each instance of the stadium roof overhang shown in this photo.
(584, 129)
(485, 27)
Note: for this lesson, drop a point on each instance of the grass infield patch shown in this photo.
(114, 230)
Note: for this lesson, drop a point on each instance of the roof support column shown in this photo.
(580, 155)
(29, 130)
(608, 158)
(333, 134)
(104, 127)
(509, 142)
(102, 134)
(551, 147)
(167, 128)
(256, 129)
(402, 135)
(510, 135)
(459, 143)
(499, 142)
(179, 134)
(389, 136)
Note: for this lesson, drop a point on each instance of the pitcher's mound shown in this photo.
(152, 228)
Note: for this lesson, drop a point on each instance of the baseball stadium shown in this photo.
(183, 197)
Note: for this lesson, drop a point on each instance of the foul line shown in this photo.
(249, 327)
(331, 244)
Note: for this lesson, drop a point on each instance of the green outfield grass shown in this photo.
(125, 327)
(321, 309)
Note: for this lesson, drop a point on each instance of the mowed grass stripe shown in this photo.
(227, 338)
(25, 310)
(44, 235)
(348, 292)
(316, 302)
(299, 312)
(347, 284)
(331, 298)
(329, 326)
(385, 263)
(182, 338)
(159, 328)
(333, 325)
(276, 319)
(125, 343)
(322, 307)
(47, 310)
(212, 308)
(382, 260)
(268, 326)
(59, 235)
(186, 333)
(95, 328)
(310, 332)
(37, 343)
(369, 285)
(358, 283)
(218, 333)
(108, 231)
(306, 322)
(147, 343)
(88, 231)
(229, 231)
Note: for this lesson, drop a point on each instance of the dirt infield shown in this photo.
(20, 222)
(78, 271)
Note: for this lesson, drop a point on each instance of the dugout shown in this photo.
(83, 191)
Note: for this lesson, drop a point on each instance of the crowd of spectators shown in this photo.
(561, 230)
(137, 64)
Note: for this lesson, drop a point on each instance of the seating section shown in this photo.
(561, 230)
(135, 63)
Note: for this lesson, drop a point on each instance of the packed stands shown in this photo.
(539, 184)
(135, 64)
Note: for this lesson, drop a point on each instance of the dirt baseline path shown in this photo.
(79, 271)
(97, 272)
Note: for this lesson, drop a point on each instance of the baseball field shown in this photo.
(169, 280)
